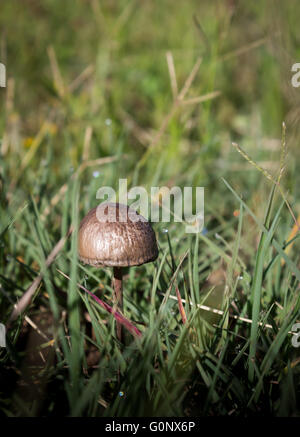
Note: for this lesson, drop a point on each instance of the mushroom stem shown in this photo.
(117, 281)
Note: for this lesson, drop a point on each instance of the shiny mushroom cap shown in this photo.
(114, 235)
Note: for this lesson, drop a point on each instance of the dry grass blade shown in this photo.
(190, 79)
(181, 309)
(58, 81)
(63, 189)
(142, 135)
(176, 104)
(87, 142)
(88, 71)
(200, 99)
(28, 319)
(118, 316)
(172, 73)
(26, 298)
(244, 49)
(221, 313)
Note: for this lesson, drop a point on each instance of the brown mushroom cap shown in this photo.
(116, 236)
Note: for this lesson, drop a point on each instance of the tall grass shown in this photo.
(154, 93)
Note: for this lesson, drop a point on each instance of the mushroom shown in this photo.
(114, 235)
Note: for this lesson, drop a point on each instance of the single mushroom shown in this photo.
(114, 235)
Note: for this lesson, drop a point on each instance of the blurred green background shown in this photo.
(92, 79)
(247, 52)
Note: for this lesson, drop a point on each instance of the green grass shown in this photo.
(62, 355)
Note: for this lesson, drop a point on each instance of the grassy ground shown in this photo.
(89, 81)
